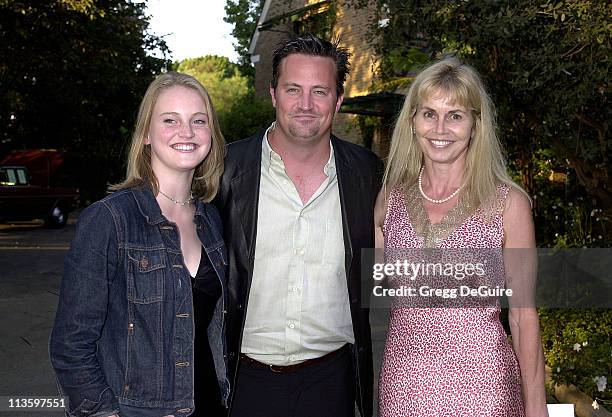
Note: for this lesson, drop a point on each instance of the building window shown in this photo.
(319, 24)
(317, 18)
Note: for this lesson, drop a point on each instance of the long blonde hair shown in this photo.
(139, 170)
(485, 166)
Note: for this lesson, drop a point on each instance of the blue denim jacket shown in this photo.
(124, 333)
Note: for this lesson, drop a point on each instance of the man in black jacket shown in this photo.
(297, 207)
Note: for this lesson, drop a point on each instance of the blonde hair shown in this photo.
(139, 170)
(485, 166)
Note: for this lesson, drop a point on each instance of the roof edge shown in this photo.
(262, 18)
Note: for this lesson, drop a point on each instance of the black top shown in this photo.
(206, 291)
(206, 279)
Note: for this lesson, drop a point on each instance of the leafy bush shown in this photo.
(246, 116)
(578, 348)
(577, 343)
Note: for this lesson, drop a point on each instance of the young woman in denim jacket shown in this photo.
(146, 266)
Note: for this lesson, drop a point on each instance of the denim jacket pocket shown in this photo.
(145, 275)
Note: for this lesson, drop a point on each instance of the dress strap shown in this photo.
(395, 196)
(503, 190)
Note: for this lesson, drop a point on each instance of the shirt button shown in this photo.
(291, 325)
(299, 252)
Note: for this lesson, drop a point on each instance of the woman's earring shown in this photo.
(413, 131)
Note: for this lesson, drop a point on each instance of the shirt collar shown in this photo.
(266, 150)
(269, 156)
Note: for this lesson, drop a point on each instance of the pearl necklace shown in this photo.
(179, 202)
(432, 200)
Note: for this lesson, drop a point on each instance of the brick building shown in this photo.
(332, 20)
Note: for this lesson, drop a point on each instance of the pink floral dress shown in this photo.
(446, 362)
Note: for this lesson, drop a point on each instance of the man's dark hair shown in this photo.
(309, 44)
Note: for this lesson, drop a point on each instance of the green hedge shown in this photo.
(578, 348)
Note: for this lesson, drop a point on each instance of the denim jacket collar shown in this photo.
(150, 210)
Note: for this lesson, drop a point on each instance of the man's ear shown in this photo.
(339, 102)
(272, 95)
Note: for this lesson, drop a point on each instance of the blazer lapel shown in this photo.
(347, 186)
(245, 194)
(245, 191)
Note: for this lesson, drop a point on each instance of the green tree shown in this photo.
(249, 114)
(243, 15)
(72, 73)
(222, 79)
(546, 63)
(240, 112)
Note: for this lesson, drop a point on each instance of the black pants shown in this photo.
(324, 389)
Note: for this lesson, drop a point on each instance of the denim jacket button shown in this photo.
(239, 307)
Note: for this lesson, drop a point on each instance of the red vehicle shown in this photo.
(28, 189)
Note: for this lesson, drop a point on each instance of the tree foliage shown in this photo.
(546, 64)
(221, 78)
(72, 73)
(243, 15)
(240, 113)
(248, 115)
(578, 345)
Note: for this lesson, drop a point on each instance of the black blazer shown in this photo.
(359, 177)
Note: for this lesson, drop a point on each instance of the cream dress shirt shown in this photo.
(298, 305)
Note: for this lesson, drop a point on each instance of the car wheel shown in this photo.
(57, 218)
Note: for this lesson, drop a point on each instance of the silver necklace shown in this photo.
(179, 202)
(433, 200)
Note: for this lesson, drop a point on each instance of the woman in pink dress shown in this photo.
(446, 186)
